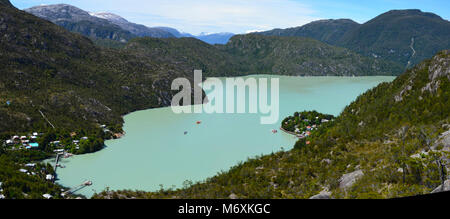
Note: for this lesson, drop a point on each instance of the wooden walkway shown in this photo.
(291, 133)
(78, 188)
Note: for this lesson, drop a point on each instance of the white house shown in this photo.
(30, 165)
(49, 177)
(47, 196)
(2, 196)
(23, 170)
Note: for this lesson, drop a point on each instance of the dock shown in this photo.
(78, 188)
(291, 133)
(58, 155)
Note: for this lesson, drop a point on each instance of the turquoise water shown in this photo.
(156, 152)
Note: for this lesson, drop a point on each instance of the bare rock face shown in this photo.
(446, 187)
(322, 195)
(444, 140)
(233, 196)
(347, 180)
(439, 67)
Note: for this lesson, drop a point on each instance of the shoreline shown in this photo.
(290, 133)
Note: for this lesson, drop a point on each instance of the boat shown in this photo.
(274, 131)
(185, 133)
(199, 122)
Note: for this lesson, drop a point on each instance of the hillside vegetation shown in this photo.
(403, 36)
(74, 83)
(302, 56)
(328, 31)
(388, 143)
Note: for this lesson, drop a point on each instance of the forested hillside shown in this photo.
(403, 36)
(74, 83)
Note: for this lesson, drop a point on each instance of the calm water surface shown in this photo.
(156, 152)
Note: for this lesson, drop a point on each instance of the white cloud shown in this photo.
(197, 16)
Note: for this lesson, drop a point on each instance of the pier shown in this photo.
(58, 155)
(78, 188)
(291, 133)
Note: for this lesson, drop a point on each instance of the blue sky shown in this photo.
(241, 16)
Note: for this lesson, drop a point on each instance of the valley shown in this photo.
(101, 86)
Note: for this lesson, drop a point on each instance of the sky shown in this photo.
(243, 16)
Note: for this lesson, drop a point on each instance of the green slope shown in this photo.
(403, 36)
(391, 35)
(302, 56)
(328, 31)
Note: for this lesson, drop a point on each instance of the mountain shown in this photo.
(79, 21)
(51, 73)
(95, 25)
(175, 32)
(109, 26)
(301, 56)
(215, 38)
(403, 36)
(392, 141)
(136, 29)
(328, 31)
(6, 2)
(191, 52)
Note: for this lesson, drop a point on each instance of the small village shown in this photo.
(62, 146)
(31, 142)
(303, 124)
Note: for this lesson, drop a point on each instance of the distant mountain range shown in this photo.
(404, 36)
(99, 25)
(110, 26)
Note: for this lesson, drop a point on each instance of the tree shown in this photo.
(428, 140)
(403, 134)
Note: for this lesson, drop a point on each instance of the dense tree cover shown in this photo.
(51, 74)
(378, 133)
(328, 31)
(258, 54)
(392, 34)
(404, 36)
